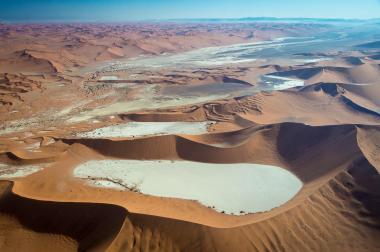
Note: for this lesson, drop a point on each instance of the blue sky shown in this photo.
(126, 10)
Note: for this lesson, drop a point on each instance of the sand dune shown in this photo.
(353, 61)
(75, 128)
(360, 73)
(58, 226)
(28, 62)
(342, 185)
(368, 139)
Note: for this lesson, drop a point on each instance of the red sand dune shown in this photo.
(327, 133)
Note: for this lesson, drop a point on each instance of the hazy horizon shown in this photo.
(133, 10)
(206, 20)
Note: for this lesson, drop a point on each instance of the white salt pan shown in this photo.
(109, 78)
(136, 129)
(233, 188)
(18, 171)
(281, 83)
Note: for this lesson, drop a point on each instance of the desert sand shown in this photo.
(183, 137)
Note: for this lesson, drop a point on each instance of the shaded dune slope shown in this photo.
(54, 225)
(32, 225)
(360, 98)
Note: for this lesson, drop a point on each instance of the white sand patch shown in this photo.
(18, 171)
(137, 129)
(281, 83)
(222, 61)
(109, 78)
(143, 104)
(314, 60)
(69, 109)
(233, 188)
(16, 126)
(33, 146)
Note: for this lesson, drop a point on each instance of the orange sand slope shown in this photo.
(59, 111)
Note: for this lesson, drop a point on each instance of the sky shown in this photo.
(137, 10)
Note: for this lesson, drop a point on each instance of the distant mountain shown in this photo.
(272, 19)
